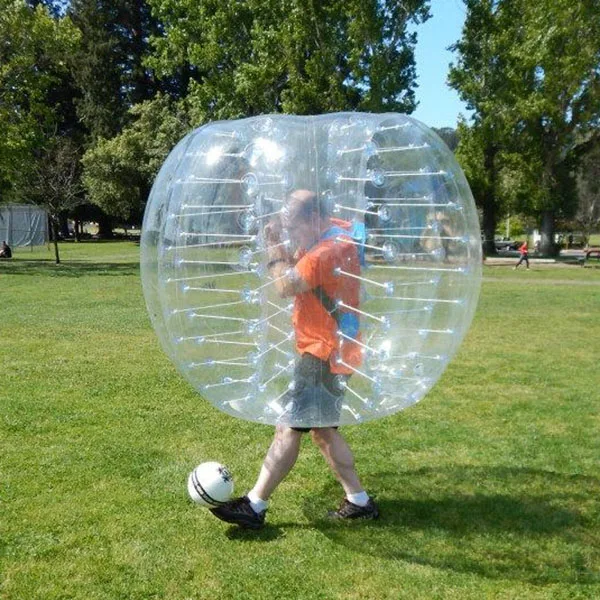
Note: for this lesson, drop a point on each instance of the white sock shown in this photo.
(256, 502)
(360, 499)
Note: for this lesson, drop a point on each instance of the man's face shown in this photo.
(303, 233)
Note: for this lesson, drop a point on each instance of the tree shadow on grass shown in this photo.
(70, 268)
(535, 526)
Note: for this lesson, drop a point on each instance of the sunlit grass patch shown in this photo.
(488, 488)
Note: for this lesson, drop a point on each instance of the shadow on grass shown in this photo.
(70, 268)
(535, 526)
(268, 533)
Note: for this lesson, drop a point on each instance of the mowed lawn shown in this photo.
(489, 488)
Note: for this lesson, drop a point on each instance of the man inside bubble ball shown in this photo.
(326, 356)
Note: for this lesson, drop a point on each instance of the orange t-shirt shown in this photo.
(316, 330)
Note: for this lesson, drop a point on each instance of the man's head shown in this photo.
(306, 218)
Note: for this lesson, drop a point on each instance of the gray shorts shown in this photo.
(316, 396)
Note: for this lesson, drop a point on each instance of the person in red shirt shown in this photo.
(312, 277)
(524, 252)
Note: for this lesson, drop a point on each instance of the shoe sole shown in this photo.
(234, 521)
(337, 517)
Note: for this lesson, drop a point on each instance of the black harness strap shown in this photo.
(328, 304)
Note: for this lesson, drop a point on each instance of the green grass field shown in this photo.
(489, 488)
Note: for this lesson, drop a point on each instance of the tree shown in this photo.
(35, 96)
(588, 187)
(118, 172)
(109, 67)
(115, 83)
(483, 80)
(243, 59)
(56, 181)
(478, 155)
(449, 135)
(296, 57)
(531, 73)
(561, 53)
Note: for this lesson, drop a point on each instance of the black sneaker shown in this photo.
(240, 512)
(347, 510)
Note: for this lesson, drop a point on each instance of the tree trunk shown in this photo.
(547, 245)
(105, 228)
(489, 205)
(55, 237)
(64, 226)
(489, 225)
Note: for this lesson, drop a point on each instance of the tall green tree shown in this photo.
(109, 67)
(112, 77)
(252, 57)
(561, 52)
(531, 73)
(477, 153)
(35, 90)
(488, 85)
(588, 187)
(300, 57)
(118, 172)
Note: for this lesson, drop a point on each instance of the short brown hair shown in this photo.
(308, 204)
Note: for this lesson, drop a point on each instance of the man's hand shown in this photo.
(273, 230)
(280, 262)
(276, 249)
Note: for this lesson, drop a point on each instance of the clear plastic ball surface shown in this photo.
(406, 210)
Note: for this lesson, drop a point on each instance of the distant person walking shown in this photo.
(5, 251)
(524, 252)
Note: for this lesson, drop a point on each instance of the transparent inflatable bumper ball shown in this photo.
(386, 188)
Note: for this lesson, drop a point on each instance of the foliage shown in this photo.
(531, 72)
(489, 487)
(56, 180)
(108, 69)
(588, 185)
(34, 90)
(518, 227)
(562, 100)
(449, 135)
(266, 56)
(243, 59)
(470, 154)
(482, 81)
(119, 171)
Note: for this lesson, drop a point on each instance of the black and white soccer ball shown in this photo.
(210, 484)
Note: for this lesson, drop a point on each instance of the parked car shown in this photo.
(504, 245)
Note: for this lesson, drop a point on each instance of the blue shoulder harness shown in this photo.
(348, 322)
(357, 232)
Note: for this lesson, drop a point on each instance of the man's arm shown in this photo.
(280, 264)
(287, 280)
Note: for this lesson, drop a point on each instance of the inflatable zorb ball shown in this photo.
(395, 188)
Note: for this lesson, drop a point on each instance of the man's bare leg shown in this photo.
(279, 461)
(249, 511)
(338, 455)
(357, 504)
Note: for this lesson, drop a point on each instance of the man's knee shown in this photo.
(286, 436)
(323, 436)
